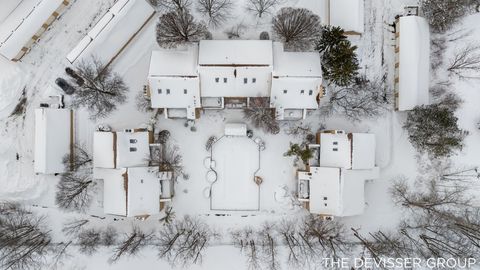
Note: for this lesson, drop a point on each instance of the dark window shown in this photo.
(133, 149)
(335, 149)
(284, 91)
(225, 80)
(325, 204)
(159, 91)
(245, 80)
(302, 92)
(310, 92)
(217, 80)
(133, 140)
(325, 198)
(254, 80)
(168, 91)
(335, 143)
(185, 91)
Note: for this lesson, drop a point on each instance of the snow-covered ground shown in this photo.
(46, 61)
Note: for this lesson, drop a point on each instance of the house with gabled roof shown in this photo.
(334, 182)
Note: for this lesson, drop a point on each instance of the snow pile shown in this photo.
(12, 81)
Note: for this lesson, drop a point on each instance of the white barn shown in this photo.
(113, 32)
(412, 65)
(53, 139)
(23, 22)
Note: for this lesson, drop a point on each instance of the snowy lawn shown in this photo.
(236, 162)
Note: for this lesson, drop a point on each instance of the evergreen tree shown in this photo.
(434, 129)
(339, 59)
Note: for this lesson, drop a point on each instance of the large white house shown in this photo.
(333, 184)
(412, 74)
(219, 74)
(131, 187)
(133, 192)
(53, 139)
(23, 22)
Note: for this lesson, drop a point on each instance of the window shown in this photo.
(225, 80)
(168, 91)
(335, 143)
(310, 92)
(335, 149)
(217, 80)
(254, 80)
(325, 204)
(185, 91)
(325, 198)
(133, 149)
(159, 91)
(133, 140)
(284, 91)
(141, 181)
(302, 92)
(245, 80)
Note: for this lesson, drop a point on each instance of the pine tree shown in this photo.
(434, 129)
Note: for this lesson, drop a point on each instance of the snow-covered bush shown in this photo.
(443, 14)
(298, 28)
(264, 35)
(434, 129)
(179, 27)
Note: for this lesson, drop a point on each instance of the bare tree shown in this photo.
(466, 62)
(364, 99)
(74, 191)
(259, 247)
(131, 244)
(298, 28)
(168, 159)
(179, 27)
(236, 31)
(217, 11)
(89, 240)
(171, 5)
(79, 160)
(260, 115)
(169, 216)
(142, 103)
(109, 236)
(262, 7)
(72, 227)
(184, 241)
(102, 91)
(25, 241)
(300, 247)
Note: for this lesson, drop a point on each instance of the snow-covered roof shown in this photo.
(235, 52)
(235, 81)
(335, 150)
(363, 151)
(52, 139)
(104, 149)
(295, 64)
(113, 31)
(115, 187)
(7, 7)
(174, 92)
(143, 192)
(295, 93)
(174, 62)
(336, 191)
(130, 191)
(347, 14)
(133, 149)
(414, 62)
(21, 22)
(235, 129)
